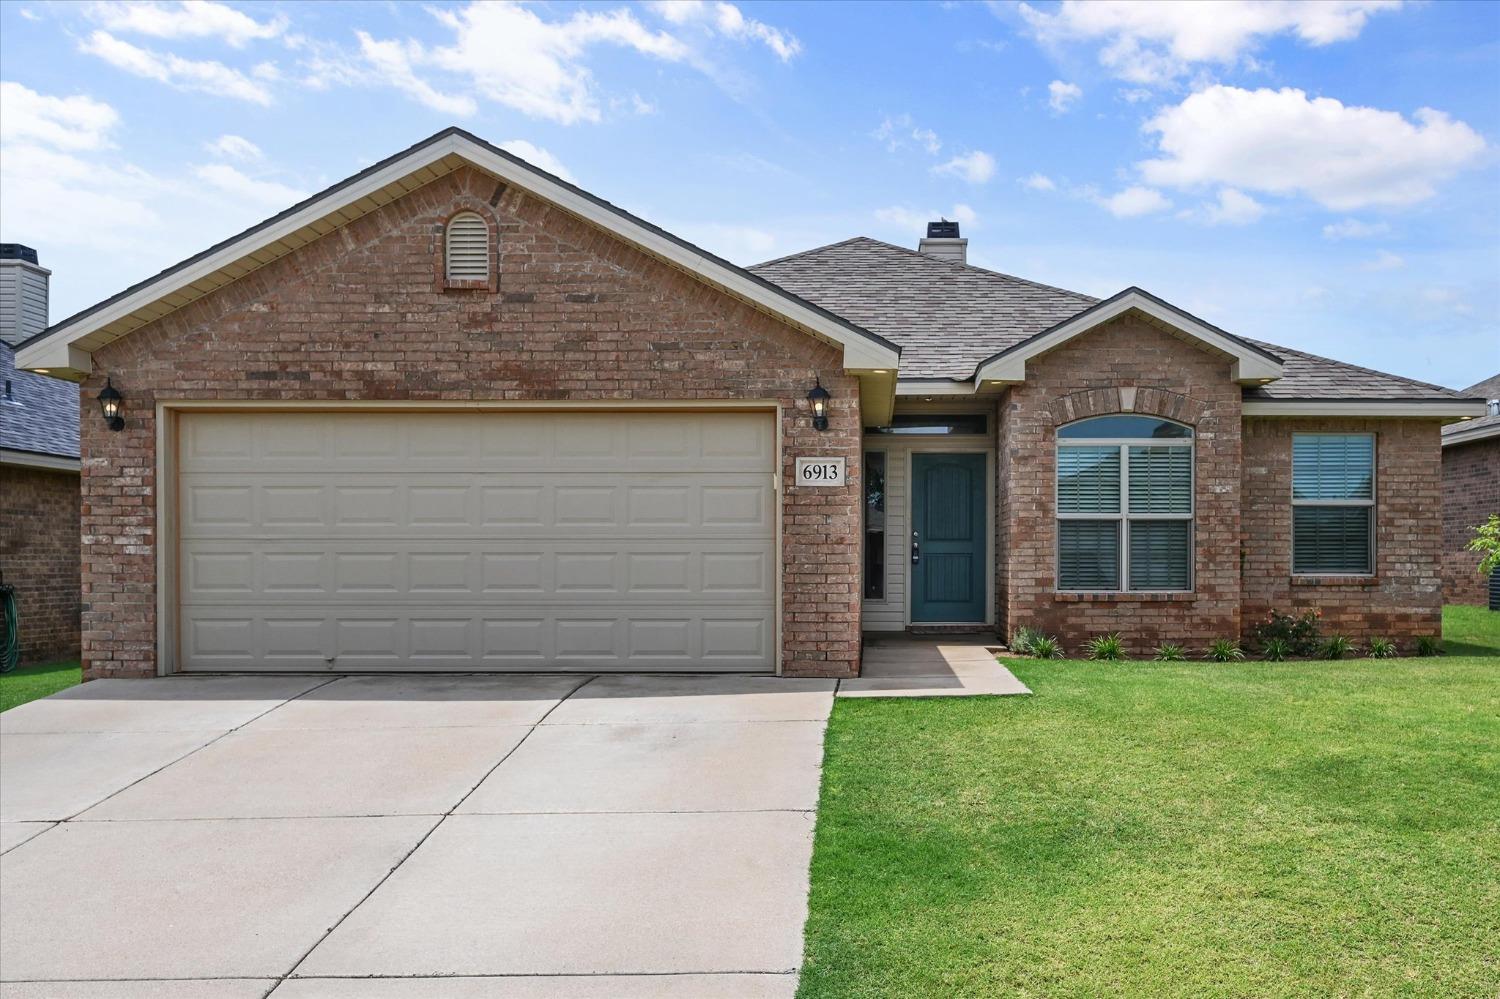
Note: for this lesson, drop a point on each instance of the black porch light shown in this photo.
(111, 402)
(819, 397)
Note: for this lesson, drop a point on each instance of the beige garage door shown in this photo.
(477, 541)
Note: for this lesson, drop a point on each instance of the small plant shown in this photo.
(1382, 648)
(1336, 647)
(1486, 541)
(1169, 653)
(1105, 648)
(1275, 650)
(1224, 650)
(1045, 647)
(1020, 643)
(1429, 646)
(1299, 633)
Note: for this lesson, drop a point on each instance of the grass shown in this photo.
(1170, 829)
(31, 682)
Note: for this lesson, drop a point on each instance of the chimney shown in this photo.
(23, 293)
(943, 242)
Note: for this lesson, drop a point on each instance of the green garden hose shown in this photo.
(10, 640)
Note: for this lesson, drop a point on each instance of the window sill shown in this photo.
(1354, 581)
(1124, 597)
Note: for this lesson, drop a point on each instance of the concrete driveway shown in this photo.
(391, 837)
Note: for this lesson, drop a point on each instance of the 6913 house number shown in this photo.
(820, 472)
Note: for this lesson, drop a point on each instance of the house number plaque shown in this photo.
(820, 471)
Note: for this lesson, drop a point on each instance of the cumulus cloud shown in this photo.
(1039, 182)
(1233, 207)
(265, 193)
(914, 220)
(1354, 229)
(729, 21)
(539, 157)
(394, 63)
(1134, 202)
(71, 123)
(205, 76)
(1062, 96)
(1284, 142)
(896, 131)
(186, 19)
(1150, 43)
(234, 147)
(976, 167)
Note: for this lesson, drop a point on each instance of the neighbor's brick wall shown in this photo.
(1170, 378)
(363, 314)
(1404, 598)
(39, 557)
(1471, 493)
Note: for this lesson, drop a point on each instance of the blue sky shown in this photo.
(1323, 175)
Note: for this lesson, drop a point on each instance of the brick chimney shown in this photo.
(942, 241)
(23, 293)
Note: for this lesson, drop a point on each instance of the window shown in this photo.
(934, 425)
(1124, 504)
(467, 248)
(1333, 504)
(874, 525)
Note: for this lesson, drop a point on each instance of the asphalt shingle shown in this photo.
(41, 414)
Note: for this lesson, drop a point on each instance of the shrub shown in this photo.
(1020, 643)
(1044, 647)
(1224, 650)
(1486, 541)
(1336, 647)
(1107, 648)
(1299, 633)
(1275, 650)
(1382, 648)
(1429, 646)
(1169, 653)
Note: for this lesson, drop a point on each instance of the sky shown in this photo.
(1321, 175)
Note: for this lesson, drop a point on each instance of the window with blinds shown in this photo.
(467, 248)
(1333, 504)
(1124, 504)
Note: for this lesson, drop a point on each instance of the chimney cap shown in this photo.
(16, 251)
(942, 229)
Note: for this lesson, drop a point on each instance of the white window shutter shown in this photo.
(468, 248)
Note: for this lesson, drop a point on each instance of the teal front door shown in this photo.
(948, 547)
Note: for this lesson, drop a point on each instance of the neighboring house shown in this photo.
(39, 471)
(456, 413)
(1471, 493)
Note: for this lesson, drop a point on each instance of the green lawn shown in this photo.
(31, 682)
(1177, 829)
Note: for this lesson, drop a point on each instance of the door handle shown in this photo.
(916, 549)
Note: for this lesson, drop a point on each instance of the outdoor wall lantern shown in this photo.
(110, 402)
(819, 398)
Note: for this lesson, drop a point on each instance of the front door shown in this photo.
(948, 539)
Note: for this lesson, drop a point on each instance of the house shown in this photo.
(1471, 494)
(39, 473)
(456, 413)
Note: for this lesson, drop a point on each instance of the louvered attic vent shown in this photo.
(468, 248)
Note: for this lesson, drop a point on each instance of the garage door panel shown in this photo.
(517, 541)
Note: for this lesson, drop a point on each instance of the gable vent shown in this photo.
(468, 248)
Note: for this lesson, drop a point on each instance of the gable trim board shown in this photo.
(1449, 409)
(33, 459)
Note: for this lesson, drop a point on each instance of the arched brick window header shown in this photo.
(1143, 400)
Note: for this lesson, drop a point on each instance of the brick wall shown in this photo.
(1471, 492)
(1166, 377)
(1403, 600)
(364, 314)
(39, 557)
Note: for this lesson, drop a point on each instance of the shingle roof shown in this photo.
(948, 317)
(41, 415)
(1485, 426)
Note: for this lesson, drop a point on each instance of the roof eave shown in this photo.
(1446, 409)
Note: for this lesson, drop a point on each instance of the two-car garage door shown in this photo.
(476, 540)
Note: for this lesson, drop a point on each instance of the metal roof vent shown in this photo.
(944, 243)
(942, 229)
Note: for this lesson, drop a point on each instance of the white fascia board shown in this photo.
(1249, 365)
(860, 353)
(911, 388)
(1450, 409)
(29, 459)
(56, 357)
(1461, 436)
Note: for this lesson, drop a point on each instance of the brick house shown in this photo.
(455, 413)
(1471, 493)
(39, 471)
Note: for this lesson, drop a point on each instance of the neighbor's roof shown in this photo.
(41, 415)
(948, 317)
(1481, 429)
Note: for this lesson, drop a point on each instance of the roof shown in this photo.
(41, 415)
(1484, 427)
(1308, 376)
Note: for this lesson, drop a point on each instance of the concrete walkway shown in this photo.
(395, 837)
(900, 665)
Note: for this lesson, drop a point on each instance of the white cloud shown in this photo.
(1385, 260)
(897, 130)
(729, 21)
(1354, 229)
(1234, 207)
(205, 76)
(1150, 43)
(976, 167)
(913, 220)
(1283, 142)
(186, 19)
(265, 193)
(392, 61)
(1039, 182)
(741, 244)
(1134, 202)
(72, 123)
(234, 147)
(539, 157)
(1062, 96)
